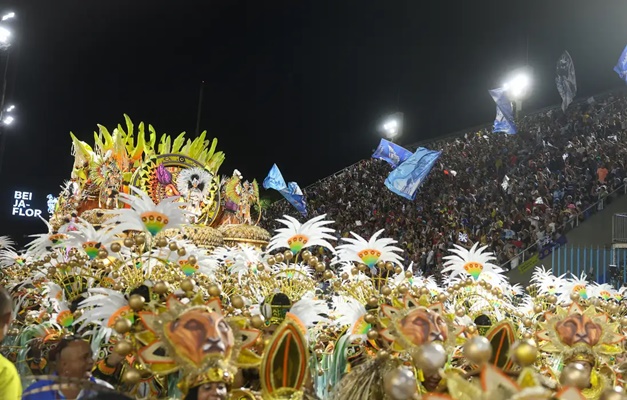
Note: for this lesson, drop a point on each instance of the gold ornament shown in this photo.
(306, 255)
(128, 242)
(372, 334)
(214, 291)
(552, 299)
(383, 355)
(537, 308)
(354, 270)
(279, 258)
(173, 246)
(123, 348)
(181, 252)
(386, 290)
(525, 353)
(574, 296)
(380, 265)
(373, 301)
(288, 255)
(408, 274)
(398, 270)
(257, 321)
(478, 350)
(370, 319)
(400, 384)
(389, 266)
(160, 287)
(162, 242)
(132, 376)
(575, 374)
(192, 260)
(237, 302)
(271, 260)
(122, 325)
(616, 393)
(140, 239)
(136, 302)
(402, 289)
(429, 357)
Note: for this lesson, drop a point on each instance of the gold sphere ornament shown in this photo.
(187, 285)
(116, 247)
(373, 301)
(46, 259)
(237, 302)
(362, 267)
(552, 299)
(140, 239)
(337, 285)
(122, 325)
(173, 246)
(478, 350)
(400, 384)
(161, 242)
(460, 312)
(372, 334)
(123, 348)
(181, 252)
(424, 291)
(429, 357)
(537, 308)
(271, 261)
(398, 270)
(442, 297)
(575, 374)
(456, 287)
(288, 255)
(214, 291)
(260, 267)
(344, 276)
(623, 321)
(389, 266)
(354, 270)
(160, 287)
(132, 376)
(192, 260)
(574, 296)
(525, 353)
(402, 289)
(615, 393)
(527, 322)
(408, 274)
(383, 355)
(306, 255)
(257, 321)
(52, 270)
(527, 335)
(327, 275)
(472, 329)
(370, 319)
(320, 267)
(136, 302)
(102, 254)
(279, 257)
(380, 265)
(128, 242)
(469, 281)
(386, 290)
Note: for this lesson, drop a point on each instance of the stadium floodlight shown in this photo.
(8, 120)
(8, 16)
(5, 36)
(518, 86)
(10, 108)
(393, 126)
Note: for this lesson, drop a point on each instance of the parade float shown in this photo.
(158, 263)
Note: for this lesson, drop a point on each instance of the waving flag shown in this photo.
(504, 121)
(290, 191)
(391, 153)
(621, 66)
(565, 79)
(408, 177)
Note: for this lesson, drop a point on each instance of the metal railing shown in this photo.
(619, 228)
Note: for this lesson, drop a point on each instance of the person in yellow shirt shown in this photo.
(10, 384)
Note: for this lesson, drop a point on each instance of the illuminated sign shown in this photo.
(22, 205)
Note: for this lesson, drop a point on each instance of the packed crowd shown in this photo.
(510, 192)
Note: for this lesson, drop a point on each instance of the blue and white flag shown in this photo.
(391, 153)
(565, 79)
(621, 66)
(290, 191)
(504, 121)
(408, 177)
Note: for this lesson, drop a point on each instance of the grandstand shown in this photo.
(554, 166)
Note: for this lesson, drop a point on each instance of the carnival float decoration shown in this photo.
(159, 263)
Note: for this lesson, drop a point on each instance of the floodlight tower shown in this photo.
(518, 87)
(392, 126)
(6, 117)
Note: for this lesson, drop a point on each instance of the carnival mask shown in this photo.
(578, 328)
(422, 326)
(199, 334)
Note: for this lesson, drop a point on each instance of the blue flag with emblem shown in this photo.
(621, 66)
(391, 153)
(504, 121)
(409, 176)
(291, 191)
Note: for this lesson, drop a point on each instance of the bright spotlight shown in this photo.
(5, 35)
(392, 125)
(10, 108)
(8, 16)
(8, 120)
(518, 86)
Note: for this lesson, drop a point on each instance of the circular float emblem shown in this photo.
(158, 177)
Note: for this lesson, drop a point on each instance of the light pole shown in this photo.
(518, 87)
(6, 118)
(392, 126)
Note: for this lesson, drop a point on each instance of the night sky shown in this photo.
(303, 83)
